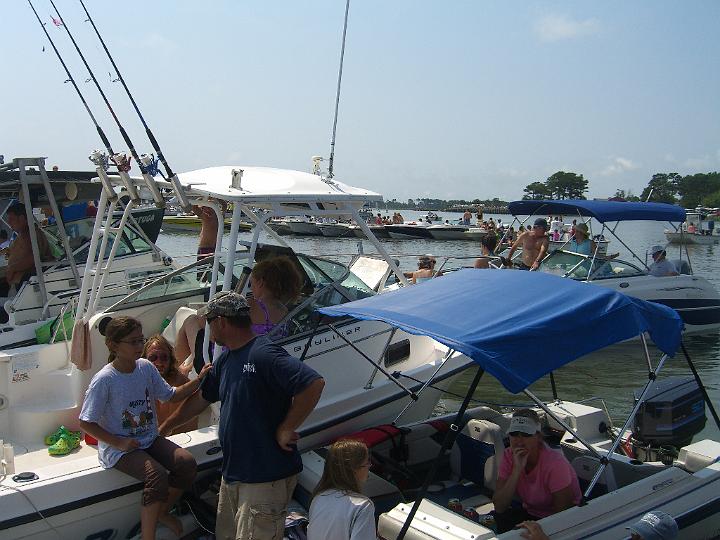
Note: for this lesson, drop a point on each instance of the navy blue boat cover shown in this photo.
(603, 211)
(519, 326)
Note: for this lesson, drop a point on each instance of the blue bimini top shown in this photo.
(530, 324)
(603, 211)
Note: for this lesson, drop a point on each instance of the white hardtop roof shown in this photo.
(258, 185)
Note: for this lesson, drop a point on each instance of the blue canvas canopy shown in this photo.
(519, 326)
(603, 211)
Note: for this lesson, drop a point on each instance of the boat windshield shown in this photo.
(577, 266)
(328, 283)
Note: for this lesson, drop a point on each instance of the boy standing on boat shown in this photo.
(266, 394)
(534, 244)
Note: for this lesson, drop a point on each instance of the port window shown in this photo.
(397, 352)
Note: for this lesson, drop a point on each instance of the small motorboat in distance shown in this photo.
(409, 230)
(696, 229)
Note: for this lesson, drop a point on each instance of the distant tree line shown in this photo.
(442, 204)
(702, 189)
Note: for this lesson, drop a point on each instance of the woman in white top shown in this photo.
(338, 510)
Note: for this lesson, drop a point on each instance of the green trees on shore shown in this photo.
(702, 189)
(561, 185)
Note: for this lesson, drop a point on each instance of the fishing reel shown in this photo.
(100, 159)
(150, 164)
(122, 161)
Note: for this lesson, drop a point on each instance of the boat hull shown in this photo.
(335, 230)
(687, 238)
(693, 297)
(304, 228)
(442, 232)
(407, 232)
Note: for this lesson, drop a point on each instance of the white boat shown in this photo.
(336, 230)
(696, 229)
(693, 297)
(303, 227)
(280, 227)
(624, 470)
(448, 232)
(41, 388)
(475, 233)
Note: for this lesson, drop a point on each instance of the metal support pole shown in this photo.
(701, 385)
(449, 436)
(22, 164)
(425, 385)
(605, 460)
(369, 385)
(410, 393)
(59, 220)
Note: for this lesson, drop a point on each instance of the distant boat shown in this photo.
(408, 231)
(304, 227)
(448, 232)
(335, 230)
(192, 222)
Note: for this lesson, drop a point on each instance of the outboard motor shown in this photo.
(672, 413)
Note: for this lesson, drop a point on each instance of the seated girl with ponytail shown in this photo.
(119, 411)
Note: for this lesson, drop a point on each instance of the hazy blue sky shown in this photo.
(448, 99)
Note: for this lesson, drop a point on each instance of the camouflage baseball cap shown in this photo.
(226, 304)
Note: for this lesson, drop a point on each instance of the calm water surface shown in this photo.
(612, 374)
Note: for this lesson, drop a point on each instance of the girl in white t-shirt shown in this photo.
(338, 509)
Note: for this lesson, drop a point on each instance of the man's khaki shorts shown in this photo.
(253, 511)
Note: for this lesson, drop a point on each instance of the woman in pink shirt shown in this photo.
(541, 477)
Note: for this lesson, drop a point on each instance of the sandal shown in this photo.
(54, 437)
(64, 445)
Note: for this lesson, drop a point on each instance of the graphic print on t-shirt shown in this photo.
(138, 415)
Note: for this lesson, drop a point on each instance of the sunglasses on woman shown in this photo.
(521, 434)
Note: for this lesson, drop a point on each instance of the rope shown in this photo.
(37, 510)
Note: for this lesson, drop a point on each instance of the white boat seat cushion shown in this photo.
(477, 452)
(171, 330)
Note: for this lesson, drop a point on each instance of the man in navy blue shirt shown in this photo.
(265, 394)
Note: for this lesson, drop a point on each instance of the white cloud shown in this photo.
(552, 28)
(619, 165)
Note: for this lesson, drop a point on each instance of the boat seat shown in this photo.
(171, 330)
(585, 467)
(477, 452)
(487, 413)
(683, 267)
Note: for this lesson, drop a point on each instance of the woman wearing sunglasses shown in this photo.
(159, 351)
(541, 477)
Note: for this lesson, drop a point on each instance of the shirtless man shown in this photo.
(534, 244)
(20, 262)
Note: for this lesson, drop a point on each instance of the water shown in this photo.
(612, 374)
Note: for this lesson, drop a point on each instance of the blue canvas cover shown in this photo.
(603, 211)
(519, 326)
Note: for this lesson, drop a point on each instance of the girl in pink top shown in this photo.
(541, 477)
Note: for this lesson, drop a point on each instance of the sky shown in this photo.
(449, 99)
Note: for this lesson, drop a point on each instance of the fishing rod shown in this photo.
(70, 79)
(153, 141)
(337, 95)
(149, 181)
